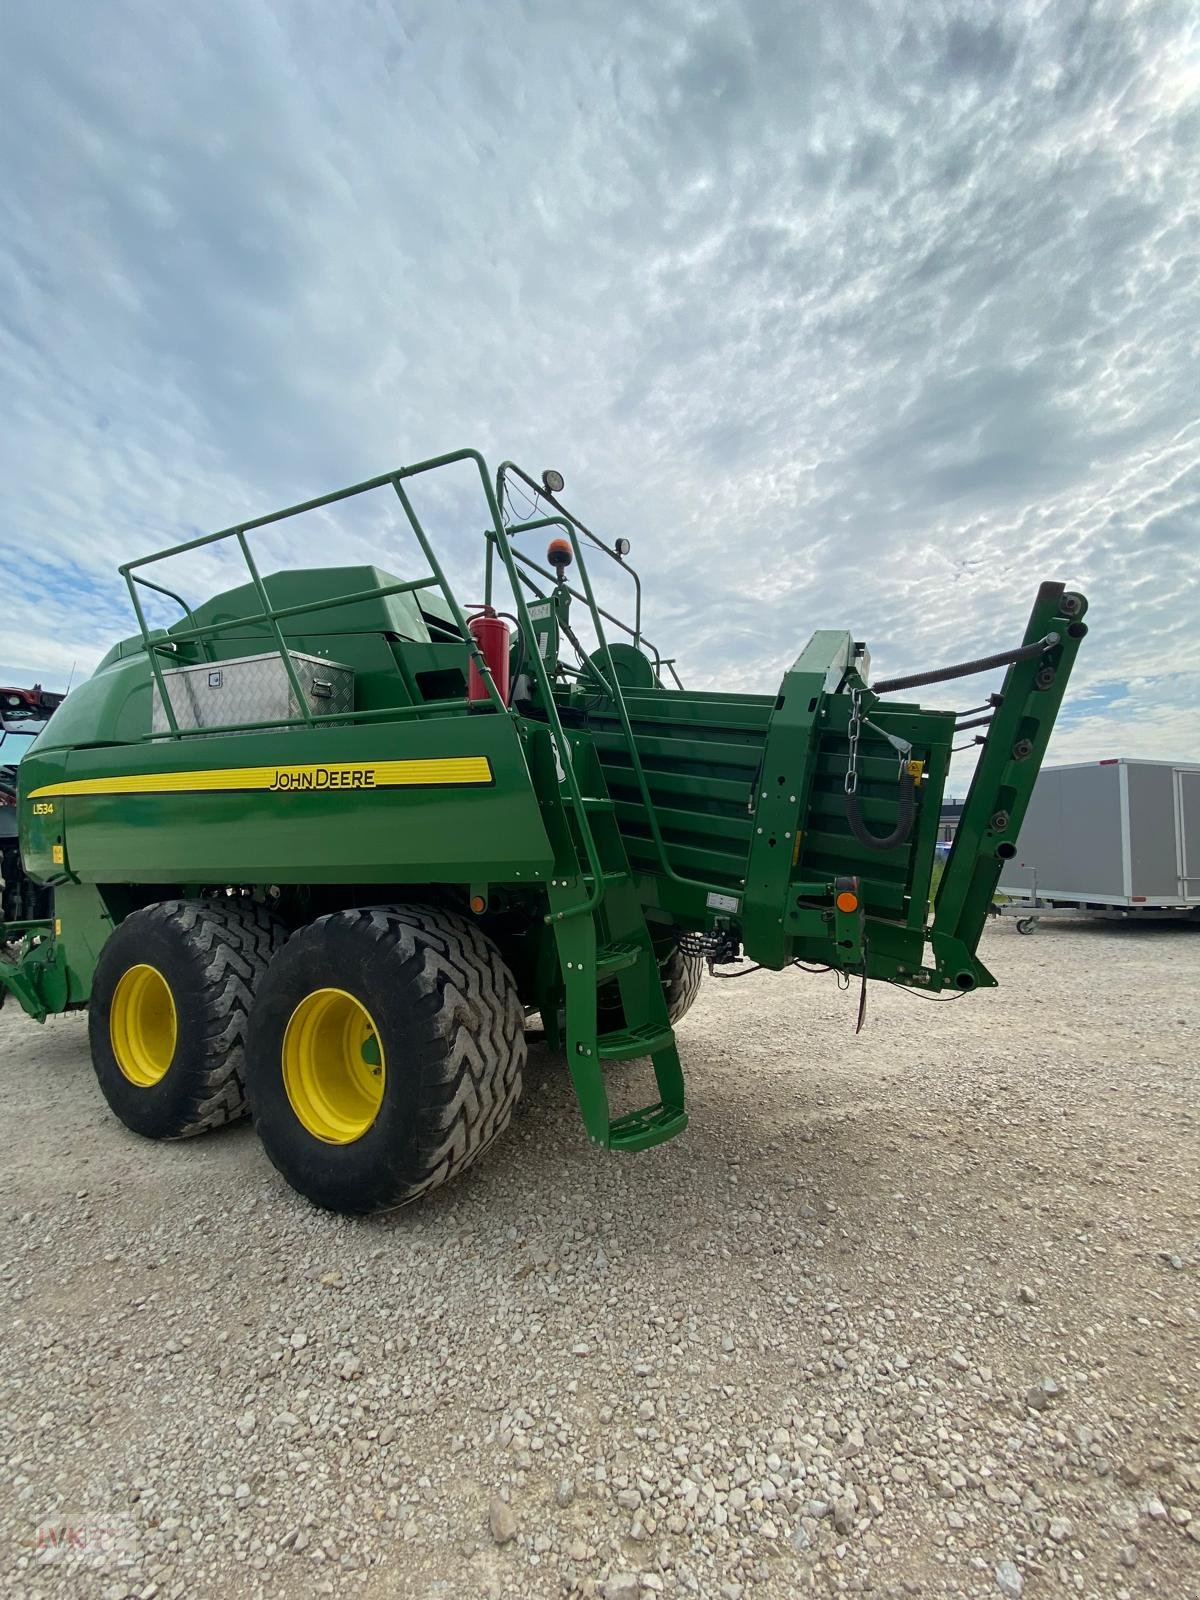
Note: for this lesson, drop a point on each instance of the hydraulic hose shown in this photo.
(966, 669)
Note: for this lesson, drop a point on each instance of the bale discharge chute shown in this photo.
(407, 828)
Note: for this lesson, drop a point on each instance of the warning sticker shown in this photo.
(723, 902)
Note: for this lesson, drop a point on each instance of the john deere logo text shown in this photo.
(322, 778)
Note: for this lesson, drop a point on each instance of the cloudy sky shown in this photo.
(862, 315)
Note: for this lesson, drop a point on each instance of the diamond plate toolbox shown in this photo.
(251, 689)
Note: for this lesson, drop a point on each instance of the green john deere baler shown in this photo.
(321, 847)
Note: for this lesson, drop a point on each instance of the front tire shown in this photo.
(384, 1055)
(168, 1013)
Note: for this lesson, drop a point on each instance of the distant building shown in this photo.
(952, 811)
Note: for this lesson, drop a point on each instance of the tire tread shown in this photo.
(233, 944)
(468, 999)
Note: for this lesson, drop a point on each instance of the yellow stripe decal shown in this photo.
(428, 771)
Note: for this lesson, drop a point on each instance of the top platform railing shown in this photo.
(541, 491)
(272, 616)
(202, 634)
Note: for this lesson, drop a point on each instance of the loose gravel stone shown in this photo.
(1009, 1580)
(501, 1520)
(624, 1586)
(564, 1493)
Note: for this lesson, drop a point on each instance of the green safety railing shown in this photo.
(272, 616)
(613, 553)
(612, 687)
(498, 543)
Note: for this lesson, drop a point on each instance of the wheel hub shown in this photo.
(142, 1025)
(333, 1067)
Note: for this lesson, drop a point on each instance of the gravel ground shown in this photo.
(913, 1313)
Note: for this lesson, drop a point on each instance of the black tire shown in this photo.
(680, 974)
(449, 1025)
(211, 957)
(1026, 924)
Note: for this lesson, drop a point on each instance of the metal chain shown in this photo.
(853, 729)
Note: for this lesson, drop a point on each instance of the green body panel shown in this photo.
(590, 825)
(83, 922)
(714, 765)
(111, 707)
(426, 834)
(401, 614)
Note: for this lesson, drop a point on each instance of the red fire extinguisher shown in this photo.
(490, 633)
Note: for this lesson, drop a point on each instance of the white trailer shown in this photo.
(1116, 838)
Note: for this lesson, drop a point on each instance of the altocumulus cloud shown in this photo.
(856, 315)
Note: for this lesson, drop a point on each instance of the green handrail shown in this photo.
(543, 572)
(171, 595)
(618, 699)
(595, 893)
(272, 615)
(497, 537)
(543, 493)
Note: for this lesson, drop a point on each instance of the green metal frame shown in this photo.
(1003, 784)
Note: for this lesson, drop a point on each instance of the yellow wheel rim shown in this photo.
(333, 1067)
(142, 1026)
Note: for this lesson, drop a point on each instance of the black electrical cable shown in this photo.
(758, 967)
(843, 979)
(917, 994)
(532, 505)
(862, 993)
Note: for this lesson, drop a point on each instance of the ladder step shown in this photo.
(608, 877)
(626, 1043)
(638, 1130)
(612, 958)
(591, 802)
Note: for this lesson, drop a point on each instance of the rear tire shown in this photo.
(384, 1055)
(680, 975)
(168, 1013)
